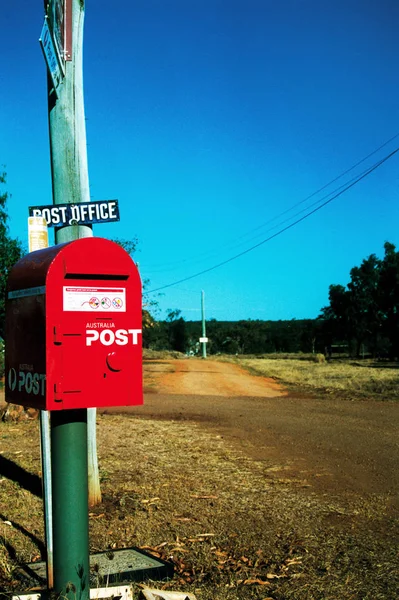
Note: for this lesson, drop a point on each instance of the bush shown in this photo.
(318, 358)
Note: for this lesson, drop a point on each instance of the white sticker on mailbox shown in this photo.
(94, 299)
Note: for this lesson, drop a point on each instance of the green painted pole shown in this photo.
(70, 504)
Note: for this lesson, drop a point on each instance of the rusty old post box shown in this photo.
(73, 327)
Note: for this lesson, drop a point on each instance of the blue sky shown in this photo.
(208, 120)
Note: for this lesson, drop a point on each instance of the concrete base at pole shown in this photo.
(121, 592)
(70, 503)
(112, 567)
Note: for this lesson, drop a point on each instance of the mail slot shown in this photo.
(73, 328)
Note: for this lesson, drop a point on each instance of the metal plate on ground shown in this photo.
(112, 567)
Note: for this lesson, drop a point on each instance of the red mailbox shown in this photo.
(73, 328)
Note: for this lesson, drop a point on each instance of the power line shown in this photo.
(225, 262)
(278, 224)
(288, 219)
(171, 266)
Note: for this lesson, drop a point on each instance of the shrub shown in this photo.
(319, 358)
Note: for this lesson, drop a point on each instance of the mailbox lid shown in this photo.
(97, 258)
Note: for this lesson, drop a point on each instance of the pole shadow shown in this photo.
(28, 481)
(40, 546)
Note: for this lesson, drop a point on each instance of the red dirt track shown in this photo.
(336, 446)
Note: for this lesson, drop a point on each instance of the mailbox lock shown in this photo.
(114, 361)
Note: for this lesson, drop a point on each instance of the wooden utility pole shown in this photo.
(69, 168)
(70, 176)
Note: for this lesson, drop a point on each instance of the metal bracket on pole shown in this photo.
(47, 493)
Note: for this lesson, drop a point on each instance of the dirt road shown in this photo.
(208, 378)
(332, 445)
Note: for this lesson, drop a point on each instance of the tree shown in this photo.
(178, 338)
(149, 304)
(389, 297)
(10, 251)
(366, 312)
(364, 302)
(309, 336)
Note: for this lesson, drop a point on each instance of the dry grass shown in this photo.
(235, 529)
(162, 354)
(363, 379)
(281, 356)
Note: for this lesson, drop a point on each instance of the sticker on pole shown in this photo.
(203, 340)
(94, 299)
(37, 233)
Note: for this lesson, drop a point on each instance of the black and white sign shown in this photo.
(84, 213)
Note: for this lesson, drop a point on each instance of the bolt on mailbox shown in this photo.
(73, 328)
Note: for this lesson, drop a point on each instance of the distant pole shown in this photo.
(203, 323)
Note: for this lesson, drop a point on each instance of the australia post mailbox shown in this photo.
(73, 327)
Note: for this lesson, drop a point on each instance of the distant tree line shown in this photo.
(362, 319)
(234, 337)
